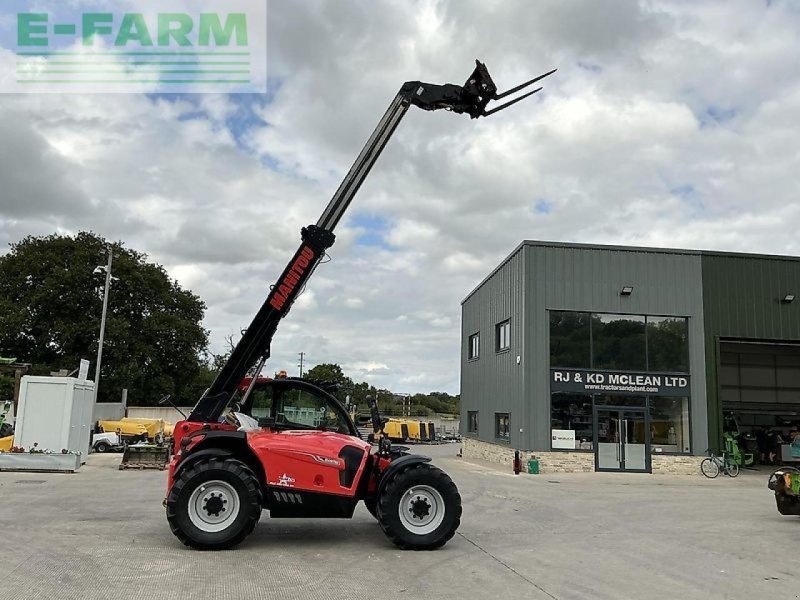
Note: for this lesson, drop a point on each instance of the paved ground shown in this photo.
(101, 533)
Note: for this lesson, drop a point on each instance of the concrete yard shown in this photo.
(101, 533)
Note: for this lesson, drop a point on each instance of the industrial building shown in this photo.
(628, 359)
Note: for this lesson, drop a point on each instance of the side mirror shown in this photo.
(377, 423)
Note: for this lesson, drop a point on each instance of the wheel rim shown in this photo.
(213, 506)
(421, 509)
(709, 468)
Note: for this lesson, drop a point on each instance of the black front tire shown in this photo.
(102, 447)
(372, 506)
(243, 487)
(396, 495)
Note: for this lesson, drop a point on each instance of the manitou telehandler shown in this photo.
(287, 445)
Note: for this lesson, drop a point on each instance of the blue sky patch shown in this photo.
(716, 115)
(689, 195)
(543, 207)
(375, 230)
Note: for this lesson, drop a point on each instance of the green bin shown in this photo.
(533, 466)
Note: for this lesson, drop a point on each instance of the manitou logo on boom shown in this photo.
(284, 289)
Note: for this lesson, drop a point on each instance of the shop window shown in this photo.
(668, 344)
(474, 347)
(669, 424)
(569, 339)
(472, 421)
(571, 413)
(503, 336)
(501, 426)
(620, 400)
(618, 342)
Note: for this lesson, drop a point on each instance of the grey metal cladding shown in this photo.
(494, 382)
(542, 276)
(590, 278)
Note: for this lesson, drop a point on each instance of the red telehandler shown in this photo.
(287, 445)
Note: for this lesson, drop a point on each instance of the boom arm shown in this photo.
(471, 98)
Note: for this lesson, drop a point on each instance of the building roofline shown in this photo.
(497, 268)
(617, 248)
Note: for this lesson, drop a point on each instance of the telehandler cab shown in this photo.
(287, 445)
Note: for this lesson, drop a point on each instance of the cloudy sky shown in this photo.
(668, 124)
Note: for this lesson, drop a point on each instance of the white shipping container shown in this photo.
(56, 413)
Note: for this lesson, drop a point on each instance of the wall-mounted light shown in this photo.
(788, 299)
(626, 290)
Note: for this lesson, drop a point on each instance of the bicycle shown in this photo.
(711, 466)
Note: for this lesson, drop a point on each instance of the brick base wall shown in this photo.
(572, 462)
(676, 465)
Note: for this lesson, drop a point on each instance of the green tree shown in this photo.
(6, 389)
(51, 305)
(388, 402)
(328, 372)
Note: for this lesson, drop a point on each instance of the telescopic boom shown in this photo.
(471, 98)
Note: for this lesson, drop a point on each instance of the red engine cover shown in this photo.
(307, 460)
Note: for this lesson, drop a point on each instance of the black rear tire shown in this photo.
(787, 505)
(102, 447)
(434, 491)
(230, 477)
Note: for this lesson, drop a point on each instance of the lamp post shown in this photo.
(107, 269)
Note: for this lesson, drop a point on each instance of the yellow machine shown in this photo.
(154, 427)
(396, 430)
(414, 434)
(420, 431)
(6, 443)
(124, 428)
(132, 427)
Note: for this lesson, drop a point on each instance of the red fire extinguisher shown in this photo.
(517, 463)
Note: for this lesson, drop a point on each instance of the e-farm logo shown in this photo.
(136, 50)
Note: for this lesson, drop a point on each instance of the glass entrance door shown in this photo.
(622, 443)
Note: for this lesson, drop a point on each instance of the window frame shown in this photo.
(282, 387)
(497, 417)
(498, 336)
(590, 415)
(689, 421)
(470, 414)
(477, 338)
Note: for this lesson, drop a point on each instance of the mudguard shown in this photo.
(200, 455)
(398, 465)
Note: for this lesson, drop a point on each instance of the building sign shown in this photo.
(585, 381)
(563, 438)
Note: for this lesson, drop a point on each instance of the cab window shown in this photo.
(262, 402)
(301, 407)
